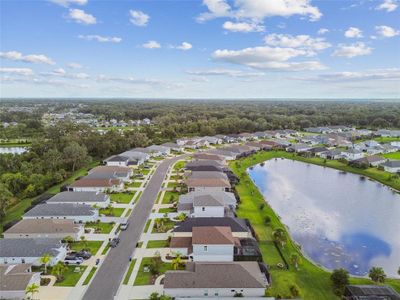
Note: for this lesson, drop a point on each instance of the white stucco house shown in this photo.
(96, 185)
(208, 185)
(352, 154)
(392, 166)
(207, 206)
(89, 198)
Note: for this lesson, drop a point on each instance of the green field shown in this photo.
(313, 282)
(122, 197)
(394, 155)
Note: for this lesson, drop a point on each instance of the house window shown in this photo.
(203, 209)
(205, 293)
(23, 260)
(216, 293)
(205, 248)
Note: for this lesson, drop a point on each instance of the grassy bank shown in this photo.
(312, 281)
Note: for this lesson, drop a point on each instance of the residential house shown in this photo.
(352, 154)
(207, 184)
(209, 156)
(261, 135)
(136, 158)
(204, 165)
(207, 174)
(388, 133)
(367, 161)
(213, 140)
(370, 292)
(207, 206)
(255, 145)
(123, 173)
(44, 228)
(173, 147)
(117, 160)
(21, 251)
(96, 185)
(216, 279)
(298, 148)
(228, 155)
(395, 144)
(186, 201)
(160, 150)
(332, 154)
(89, 198)
(392, 166)
(79, 213)
(15, 278)
(317, 151)
(387, 148)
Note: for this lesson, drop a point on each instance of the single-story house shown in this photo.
(79, 213)
(209, 156)
(96, 185)
(89, 198)
(213, 140)
(15, 278)
(298, 148)
(174, 146)
(392, 166)
(204, 165)
(388, 133)
(228, 155)
(373, 292)
(44, 228)
(111, 169)
(373, 160)
(207, 184)
(117, 160)
(255, 145)
(159, 150)
(317, 150)
(332, 154)
(395, 144)
(216, 279)
(352, 154)
(387, 148)
(136, 158)
(207, 174)
(21, 251)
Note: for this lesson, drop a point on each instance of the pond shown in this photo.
(12, 150)
(339, 219)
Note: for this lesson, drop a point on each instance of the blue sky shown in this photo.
(200, 49)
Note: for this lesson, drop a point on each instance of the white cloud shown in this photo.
(74, 65)
(299, 41)
(352, 50)
(138, 18)
(30, 58)
(388, 5)
(17, 71)
(60, 72)
(67, 3)
(243, 27)
(375, 74)
(79, 16)
(386, 31)
(323, 31)
(101, 39)
(259, 9)
(151, 45)
(184, 46)
(268, 58)
(353, 32)
(224, 72)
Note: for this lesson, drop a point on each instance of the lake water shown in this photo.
(12, 150)
(339, 219)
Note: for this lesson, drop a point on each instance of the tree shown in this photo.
(58, 270)
(154, 296)
(32, 289)
(45, 259)
(75, 155)
(377, 274)
(181, 217)
(295, 259)
(69, 240)
(5, 199)
(176, 262)
(339, 278)
(279, 236)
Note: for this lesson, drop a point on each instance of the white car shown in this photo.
(73, 260)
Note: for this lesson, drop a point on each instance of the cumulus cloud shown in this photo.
(74, 65)
(79, 16)
(352, 50)
(259, 9)
(138, 18)
(224, 72)
(30, 58)
(388, 5)
(243, 27)
(353, 32)
(17, 71)
(386, 31)
(305, 42)
(151, 45)
(274, 58)
(323, 31)
(184, 46)
(67, 3)
(101, 39)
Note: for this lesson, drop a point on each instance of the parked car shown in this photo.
(114, 242)
(124, 226)
(82, 254)
(72, 260)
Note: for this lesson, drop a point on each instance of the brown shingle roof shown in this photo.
(44, 226)
(213, 235)
(207, 182)
(180, 242)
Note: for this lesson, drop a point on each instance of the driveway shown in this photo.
(105, 284)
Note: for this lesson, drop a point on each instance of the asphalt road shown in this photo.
(108, 278)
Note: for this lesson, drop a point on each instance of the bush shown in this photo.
(267, 220)
(294, 289)
(339, 278)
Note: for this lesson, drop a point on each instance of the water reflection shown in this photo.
(337, 218)
(12, 150)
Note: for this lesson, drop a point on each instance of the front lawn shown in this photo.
(92, 246)
(100, 227)
(158, 244)
(170, 197)
(162, 225)
(134, 184)
(179, 165)
(89, 277)
(71, 277)
(129, 272)
(167, 210)
(124, 198)
(146, 278)
(172, 184)
(112, 211)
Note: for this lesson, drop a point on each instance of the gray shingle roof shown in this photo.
(29, 247)
(237, 225)
(392, 164)
(66, 209)
(206, 200)
(71, 197)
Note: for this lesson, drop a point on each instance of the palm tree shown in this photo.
(295, 259)
(58, 270)
(181, 217)
(279, 236)
(377, 274)
(32, 289)
(45, 259)
(176, 262)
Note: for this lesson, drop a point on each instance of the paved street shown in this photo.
(108, 278)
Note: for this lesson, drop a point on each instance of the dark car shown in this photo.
(114, 242)
(83, 254)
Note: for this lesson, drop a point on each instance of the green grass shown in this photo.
(92, 246)
(124, 198)
(144, 278)
(167, 210)
(100, 227)
(170, 195)
(114, 212)
(104, 252)
(134, 184)
(71, 278)
(16, 211)
(89, 277)
(313, 282)
(179, 165)
(172, 184)
(129, 272)
(168, 224)
(158, 244)
(146, 227)
(175, 177)
(394, 155)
